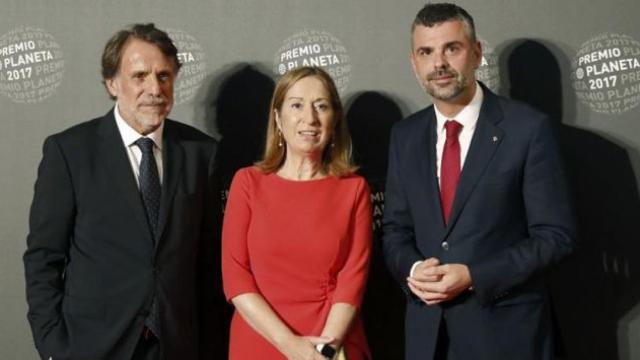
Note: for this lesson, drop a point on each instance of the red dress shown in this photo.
(303, 245)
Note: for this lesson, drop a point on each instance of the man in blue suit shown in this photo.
(476, 207)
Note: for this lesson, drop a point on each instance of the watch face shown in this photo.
(328, 351)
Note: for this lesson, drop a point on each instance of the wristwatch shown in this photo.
(326, 350)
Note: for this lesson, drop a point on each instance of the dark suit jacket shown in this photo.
(511, 218)
(91, 266)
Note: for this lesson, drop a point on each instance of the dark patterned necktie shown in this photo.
(149, 183)
(150, 191)
(450, 168)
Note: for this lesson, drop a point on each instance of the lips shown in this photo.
(154, 101)
(441, 75)
(309, 133)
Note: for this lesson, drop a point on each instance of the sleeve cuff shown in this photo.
(413, 267)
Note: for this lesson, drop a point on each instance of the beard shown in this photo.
(450, 91)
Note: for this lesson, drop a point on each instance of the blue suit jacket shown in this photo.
(511, 218)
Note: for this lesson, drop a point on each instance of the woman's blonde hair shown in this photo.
(336, 157)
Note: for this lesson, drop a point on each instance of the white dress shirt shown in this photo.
(130, 136)
(468, 118)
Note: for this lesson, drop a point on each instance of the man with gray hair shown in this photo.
(476, 206)
(122, 253)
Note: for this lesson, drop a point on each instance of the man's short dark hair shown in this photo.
(434, 14)
(112, 54)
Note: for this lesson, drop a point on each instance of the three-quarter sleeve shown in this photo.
(237, 277)
(352, 278)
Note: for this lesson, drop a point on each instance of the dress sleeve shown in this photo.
(237, 277)
(352, 278)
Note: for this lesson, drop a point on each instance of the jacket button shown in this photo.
(445, 246)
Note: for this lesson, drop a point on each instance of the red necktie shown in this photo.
(450, 167)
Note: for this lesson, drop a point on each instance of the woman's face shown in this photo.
(306, 117)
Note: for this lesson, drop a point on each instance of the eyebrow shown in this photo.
(145, 70)
(450, 43)
(423, 48)
(301, 98)
(456, 42)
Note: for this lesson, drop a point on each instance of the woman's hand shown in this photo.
(303, 347)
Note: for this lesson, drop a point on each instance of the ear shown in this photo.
(277, 118)
(477, 51)
(113, 86)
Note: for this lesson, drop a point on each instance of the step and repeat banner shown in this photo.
(578, 61)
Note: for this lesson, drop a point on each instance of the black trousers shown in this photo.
(443, 345)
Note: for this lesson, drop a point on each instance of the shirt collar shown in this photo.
(130, 136)
(468, 116)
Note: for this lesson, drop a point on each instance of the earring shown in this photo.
(279, 138)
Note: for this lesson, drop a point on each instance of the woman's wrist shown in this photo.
(337, 341)
(282, 340)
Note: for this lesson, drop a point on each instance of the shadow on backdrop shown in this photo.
(233, 106)
(239, 112)
(370, 116)
(598, 285)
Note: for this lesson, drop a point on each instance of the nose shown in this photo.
(153, 85)
(310, 115)
(439, 60)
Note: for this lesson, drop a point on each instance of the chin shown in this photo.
(151, 124)
(309, 150)
(152, 120)
(444, 93)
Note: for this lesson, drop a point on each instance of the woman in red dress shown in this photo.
(296, 238)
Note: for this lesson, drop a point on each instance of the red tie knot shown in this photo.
(453, 128)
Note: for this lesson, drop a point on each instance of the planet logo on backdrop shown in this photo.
(192, 57)
(488, 72)
(606, 73)
(377, 204)
(31, 65)
(315, 48)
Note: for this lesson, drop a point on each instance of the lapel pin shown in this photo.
(494, 139)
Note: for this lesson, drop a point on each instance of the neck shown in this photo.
(302, 168)
(451, 107)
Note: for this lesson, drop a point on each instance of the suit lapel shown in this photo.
(172, 161)
(428, 171)
(113, 152)
(486, 140)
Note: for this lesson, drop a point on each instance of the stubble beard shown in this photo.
(460, 83)
(149, 121)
